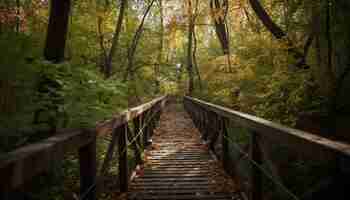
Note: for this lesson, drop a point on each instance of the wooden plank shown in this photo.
(23, 164)
(87, 165)
(282, 134)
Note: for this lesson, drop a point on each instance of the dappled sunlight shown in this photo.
(91, 66)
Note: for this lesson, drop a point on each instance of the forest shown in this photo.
(70, 64)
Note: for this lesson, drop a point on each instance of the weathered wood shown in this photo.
(151, 123)
(123, 158)
(256, 176)
(214, 132)
(23, 164)
(87, 165)
(179, 171)
(145, 129)
(284, 135)
(107, 126)
(206, 126)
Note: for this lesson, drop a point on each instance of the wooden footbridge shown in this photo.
(208, 152)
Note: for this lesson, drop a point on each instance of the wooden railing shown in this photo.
(23, 164)
(216, 124)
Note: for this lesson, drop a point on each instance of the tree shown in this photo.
(115, 41)
(190, 32)
(278, 33)
(161, 46)
(134, 43)
(57, 30)
(195, 45)
(219, 10)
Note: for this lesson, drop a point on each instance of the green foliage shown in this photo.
(86, 96)
(79, 97)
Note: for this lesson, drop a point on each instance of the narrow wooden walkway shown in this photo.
(179, 166)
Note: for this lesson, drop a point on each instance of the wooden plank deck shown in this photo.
(179, 166)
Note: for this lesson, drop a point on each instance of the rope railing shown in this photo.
(24, 164)
(218, 125)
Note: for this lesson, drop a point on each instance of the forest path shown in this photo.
(178, 165)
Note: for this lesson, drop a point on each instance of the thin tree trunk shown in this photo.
(189, 49)
(103, 56)
(132, 49)
(161, 44)
(115, 42)
(194, 53)
(219, 21)
(18, 21)
(228, 41)
(57, 30)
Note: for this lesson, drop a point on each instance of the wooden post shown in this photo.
(256, 178)
(225, 150)
(151, 123)
(201, 117)
(205, 125)
(145, 129)
(196, 116)
(87, 165)
(214, 130)
(123, 158)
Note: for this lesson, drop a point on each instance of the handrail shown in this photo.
(23, 164)
(126, 116)
(213, 121)
(272, 130)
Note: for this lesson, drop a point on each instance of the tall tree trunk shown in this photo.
(189, 49)
(221, 27)
(57, 30)
(132, 49)
(161, 44)
(101, 39)
(266, 19)
(18, 17)
(278, 33)
(54, 52)
(217, 7)
(194, 53)
(338, 63)
(115, 42)
(194, 56)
